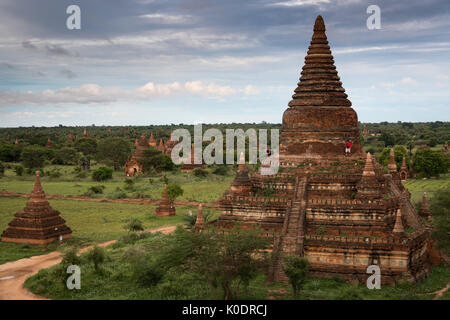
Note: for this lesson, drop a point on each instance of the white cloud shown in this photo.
(167, 18)
(251, 90)
(408, 81)
(295, 3)
(95, 94)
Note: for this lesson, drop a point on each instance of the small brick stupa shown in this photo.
(152, 141)
(424, 210)
(166, 207)
(70, 137)
(49, 144)
(404, 174)
(342, 213)
(38, 223)
(133, 165)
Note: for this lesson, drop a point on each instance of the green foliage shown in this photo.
(146, 272)
(399, 153)
(102, 174)
(2, 169)
(87, 146)
(430, 163)
(18, 170)
(65, 155)
(440, 209)
(155, 160)
(96, 256)
(134, 225)
(174, 191)
(199, 172)
(221, 170)
(129, 184)
(217, 258)
(96, 189)
(113, 151)
(296, 269)
(8, 154)
(34, 156)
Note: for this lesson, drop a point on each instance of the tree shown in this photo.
(66, 155)
(7, 153)
(88, 147)
(430, 163)
(102, 174)
(440, 209)
(2, 169)
(113, 151)
(216, 257)
(155, 159)
(388, 139)
(296, 269)
(34, 156)
(18, 170)
(174, 191)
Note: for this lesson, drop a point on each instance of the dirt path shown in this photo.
(439, 293)
(13, 274)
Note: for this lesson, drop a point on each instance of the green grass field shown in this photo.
(116, 282)
(206, 189)
(418, 186)
(89, 221)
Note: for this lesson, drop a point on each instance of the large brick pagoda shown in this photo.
(37, 223)
(343, 213)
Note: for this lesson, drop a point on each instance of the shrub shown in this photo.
(174, 191)
(134, 225)
(97, 256)
(221, 170)
(102, 174)
(129, 184)
(146, 273)
(199, 172)
(296, 269)
(96, 189)
(18, 170)
(55, 173)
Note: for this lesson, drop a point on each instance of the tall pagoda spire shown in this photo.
(319, 83)
(320, 119)
(398, 226)
(392, 166)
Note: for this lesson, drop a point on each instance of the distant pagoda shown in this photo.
(342, 213)
(49, 144)
(166, 207)
(70, 137)
(38, 223)
(133, 165)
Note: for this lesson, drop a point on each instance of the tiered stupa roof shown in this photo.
(320, 119)
(166, 207)
(38, 223)
(424, 210)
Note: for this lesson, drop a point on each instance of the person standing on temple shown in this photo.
(348, 146)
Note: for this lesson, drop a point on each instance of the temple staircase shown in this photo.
(291, 240)
(411, 216)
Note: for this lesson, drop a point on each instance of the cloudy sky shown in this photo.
(140, 62)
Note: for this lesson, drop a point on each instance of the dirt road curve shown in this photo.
(13, 274)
